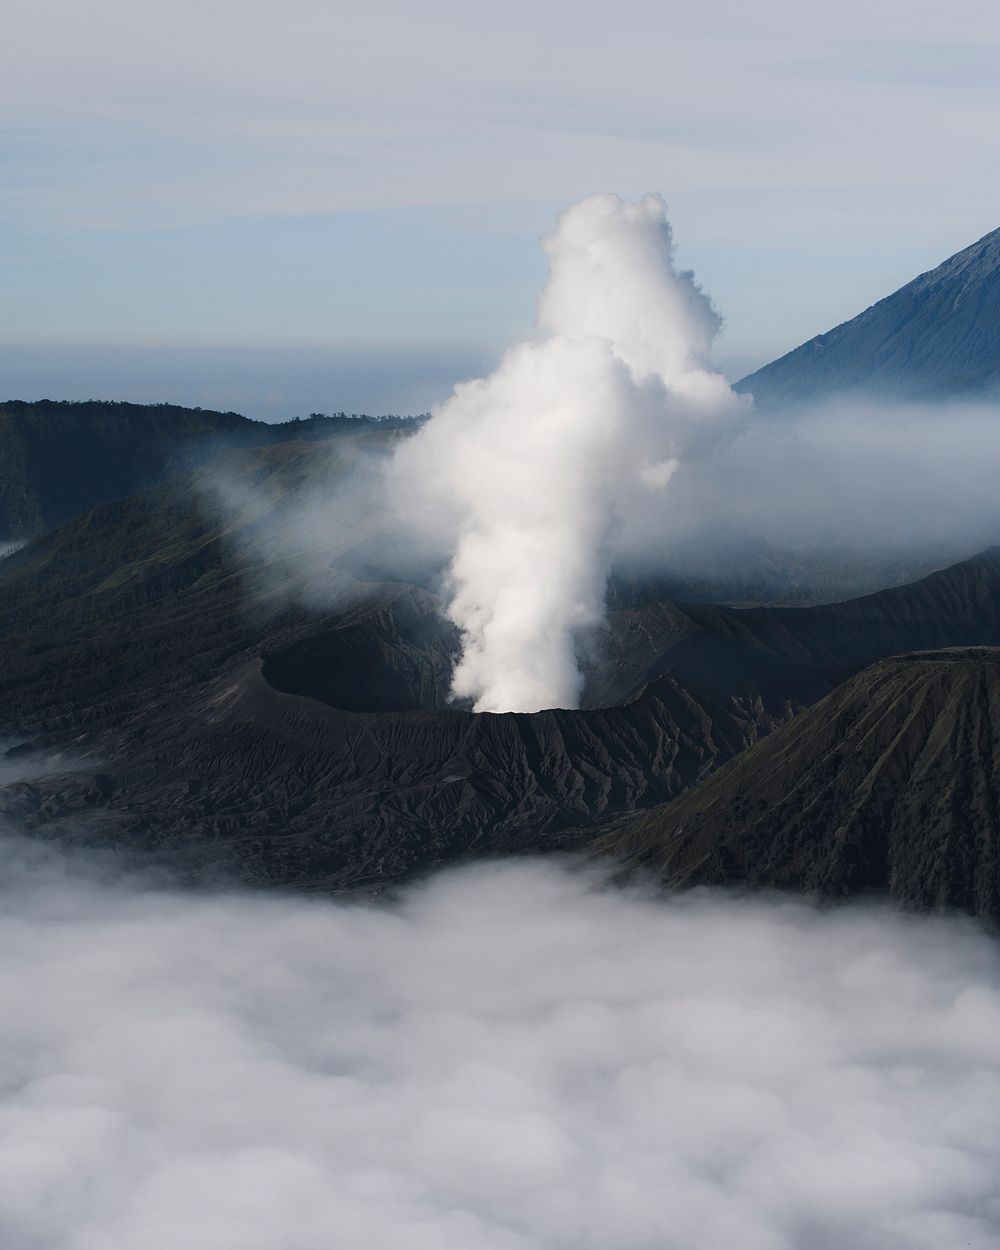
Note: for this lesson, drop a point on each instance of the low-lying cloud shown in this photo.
(18, 762)
(862, 480)
(508, 1057)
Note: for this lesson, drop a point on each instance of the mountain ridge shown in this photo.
(936, 337)
(227, 726)
(59, 458)
(886, 785)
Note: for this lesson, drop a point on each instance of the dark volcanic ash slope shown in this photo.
(773, 662)
(888, 784)
(233, 726)
(938, 336)
(290, 743)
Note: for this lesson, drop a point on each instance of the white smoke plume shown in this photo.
(510, 1058)
(532, 465)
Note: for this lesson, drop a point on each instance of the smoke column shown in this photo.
(527, 468)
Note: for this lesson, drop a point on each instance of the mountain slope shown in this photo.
(232, 727)
(938, 336)
(226, 723)
(59, 459)
(774, 661)
(888, 784)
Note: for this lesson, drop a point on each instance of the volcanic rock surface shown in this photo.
(227, 717)
(889, 784)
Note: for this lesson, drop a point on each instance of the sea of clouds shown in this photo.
(507, 1057)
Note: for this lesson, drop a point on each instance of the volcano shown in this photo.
(887, 785)
(935, 338)
(221, 726)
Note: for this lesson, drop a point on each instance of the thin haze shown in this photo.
(510, 1057)
(871, 486)
(192, 174)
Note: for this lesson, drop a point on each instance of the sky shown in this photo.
(326, 206)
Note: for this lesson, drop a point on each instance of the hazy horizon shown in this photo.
(265, 383)
(339, 180)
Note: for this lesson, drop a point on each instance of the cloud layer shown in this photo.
(854, 480)
(508, 1058)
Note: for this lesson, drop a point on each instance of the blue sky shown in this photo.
(356, 196)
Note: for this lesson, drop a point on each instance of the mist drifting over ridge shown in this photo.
(508, 1057)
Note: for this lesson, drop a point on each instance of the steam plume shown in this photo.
(532, 463)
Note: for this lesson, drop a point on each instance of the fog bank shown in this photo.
(852, 478)
(510, 1057)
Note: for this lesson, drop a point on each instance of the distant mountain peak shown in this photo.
(937, 337)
